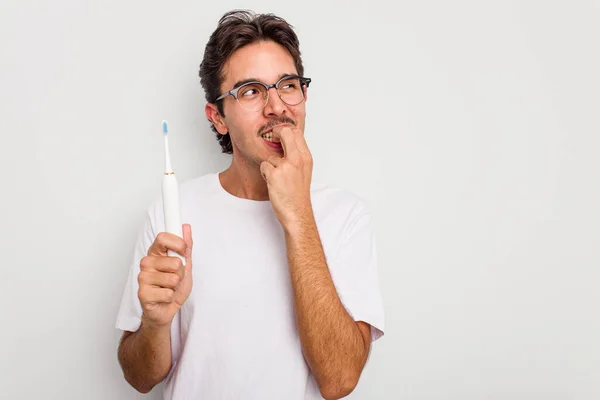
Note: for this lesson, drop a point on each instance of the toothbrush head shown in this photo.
(165, 129)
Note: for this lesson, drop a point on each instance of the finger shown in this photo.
(301, 143)
(162, 264)
(266, 170)
(189, 241)
(152, 295)
(187, 235)
(167, 280)
(288, 142)
(166, 241)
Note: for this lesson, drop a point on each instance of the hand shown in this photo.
(164, 282)
(289, 177)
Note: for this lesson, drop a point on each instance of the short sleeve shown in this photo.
(130, 312)
(354, 270)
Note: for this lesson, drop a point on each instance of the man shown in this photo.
(278, 298)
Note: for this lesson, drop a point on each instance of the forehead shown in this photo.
(264, 60)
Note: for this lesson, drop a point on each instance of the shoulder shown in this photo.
(203, 185)
(330, 196)
(338, 206)
(193, 192)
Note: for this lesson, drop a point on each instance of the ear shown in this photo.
(213, 115)
(305, 93)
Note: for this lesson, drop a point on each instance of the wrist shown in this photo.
(155, 328)
(299, 223)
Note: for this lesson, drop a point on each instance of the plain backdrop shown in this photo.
(472, 127)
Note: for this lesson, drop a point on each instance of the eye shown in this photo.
(290, 85)
(250, 92)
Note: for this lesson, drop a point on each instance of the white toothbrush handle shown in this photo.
(170, 194)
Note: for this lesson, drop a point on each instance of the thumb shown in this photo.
(187, 237)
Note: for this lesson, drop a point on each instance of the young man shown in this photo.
(279, 297)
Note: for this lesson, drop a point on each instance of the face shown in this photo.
(266, 62)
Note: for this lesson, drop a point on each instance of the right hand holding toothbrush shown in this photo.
(164, 283)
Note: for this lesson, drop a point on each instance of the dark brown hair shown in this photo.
(235, 30)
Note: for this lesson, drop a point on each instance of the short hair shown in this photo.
(235, 30)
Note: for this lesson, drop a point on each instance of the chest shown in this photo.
(240, 271)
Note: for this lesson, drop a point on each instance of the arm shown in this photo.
(335, 346)
(165, 283)
(145, 356)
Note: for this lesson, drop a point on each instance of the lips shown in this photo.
(280, 122)
(270, 130)
(270, 141)
(268, 136)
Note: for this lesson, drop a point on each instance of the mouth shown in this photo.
(271, 141)
(268, 136)
(270, 130)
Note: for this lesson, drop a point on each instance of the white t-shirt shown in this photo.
(236, 337)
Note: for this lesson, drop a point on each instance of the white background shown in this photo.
(471, 126)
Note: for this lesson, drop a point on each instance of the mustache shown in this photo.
(281, 120)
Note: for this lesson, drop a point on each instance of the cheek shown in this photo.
(300, 109)
(299, 114)
(244, 126)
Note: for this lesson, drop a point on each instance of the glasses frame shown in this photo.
(234, 92)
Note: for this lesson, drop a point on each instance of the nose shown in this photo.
(275, 106)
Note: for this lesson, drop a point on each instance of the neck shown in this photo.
(244, 180)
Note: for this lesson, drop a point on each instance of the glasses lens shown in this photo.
(252, 96)
(290, 91)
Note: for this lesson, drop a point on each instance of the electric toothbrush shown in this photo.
(170, 196)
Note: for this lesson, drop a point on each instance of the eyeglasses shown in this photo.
(254, 96)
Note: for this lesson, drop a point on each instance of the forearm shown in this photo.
(332, 343)
(145, 356)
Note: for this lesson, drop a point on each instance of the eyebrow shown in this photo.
(244, 81)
